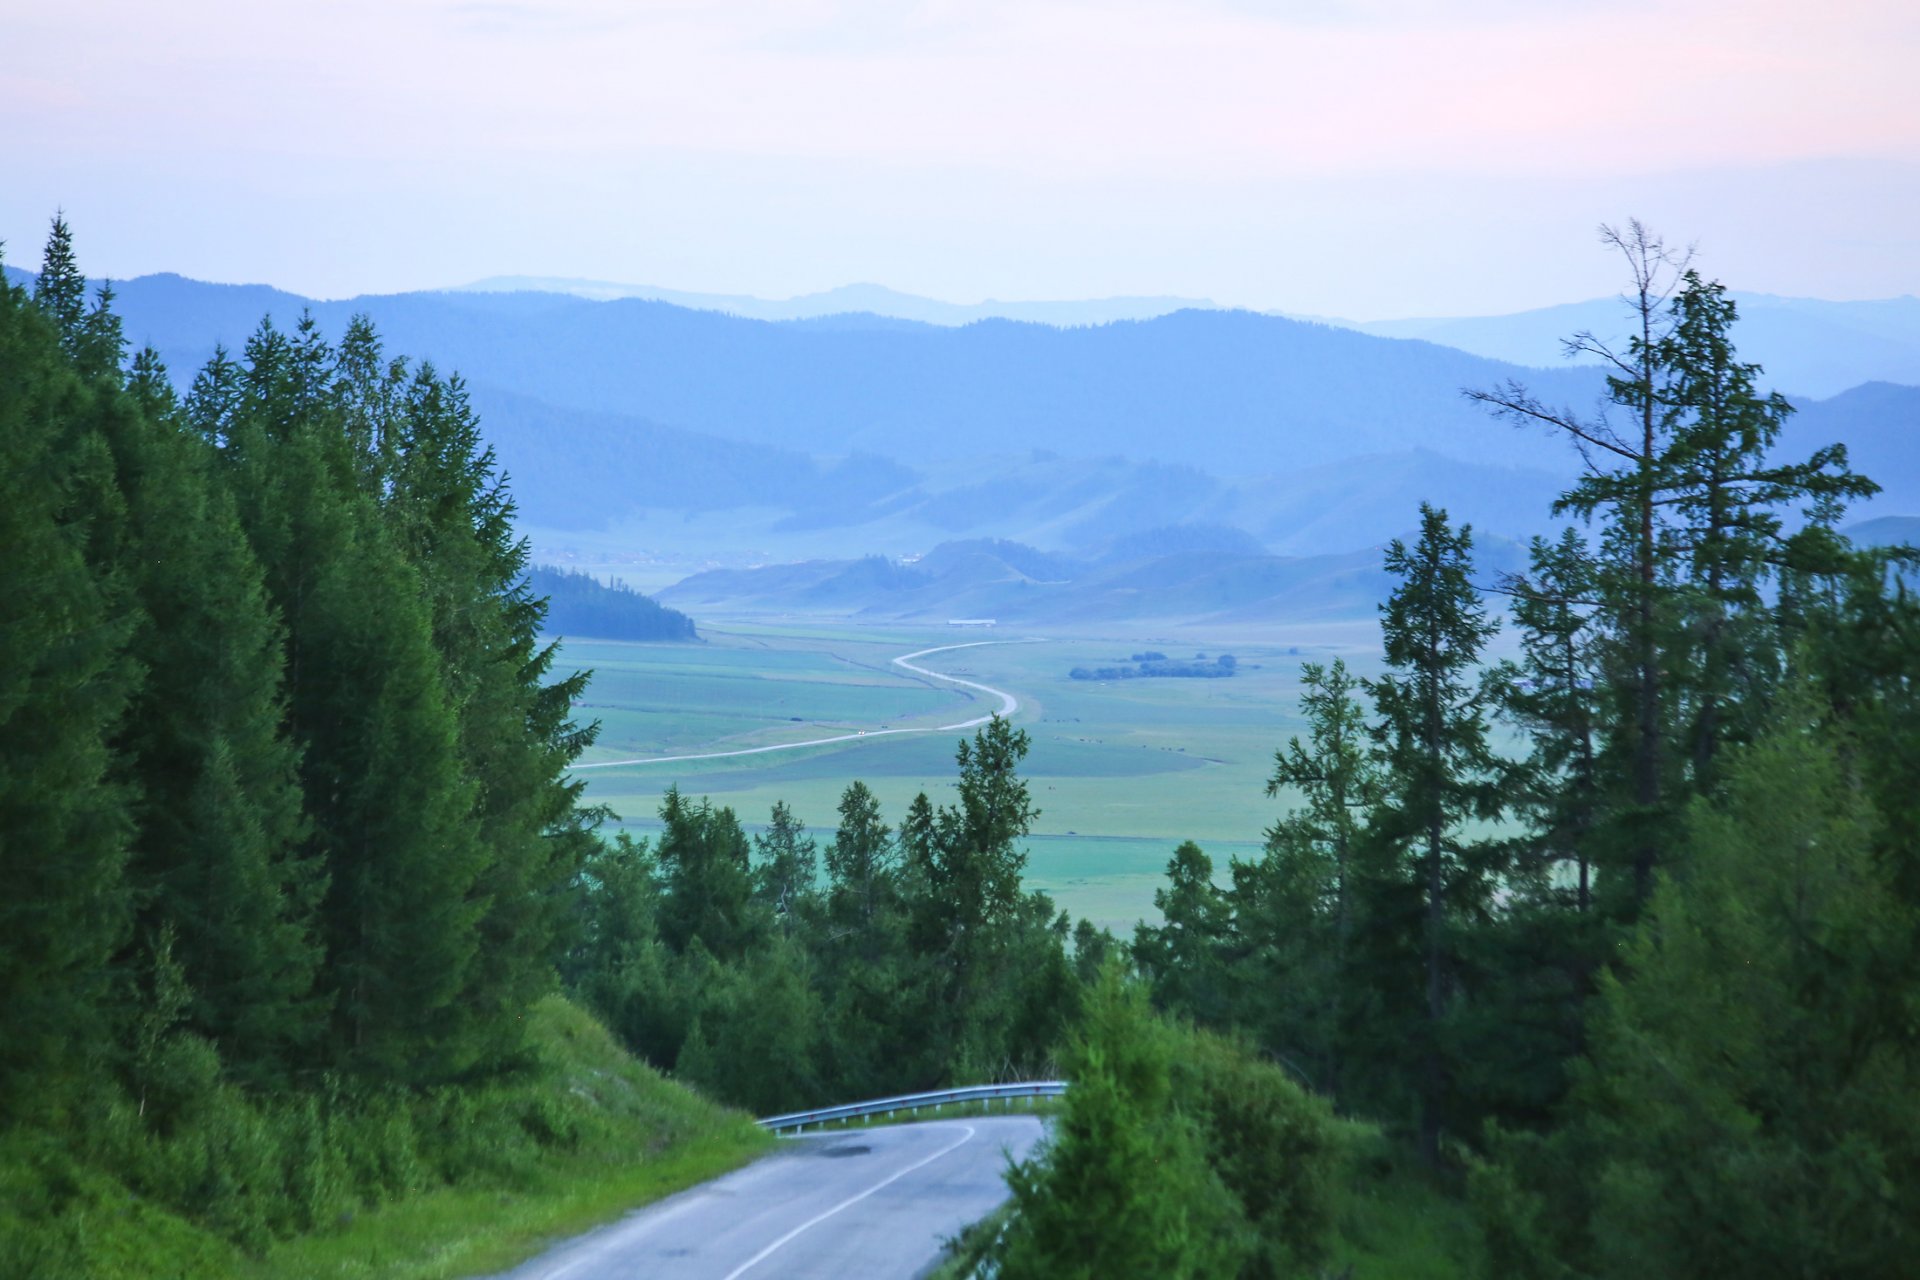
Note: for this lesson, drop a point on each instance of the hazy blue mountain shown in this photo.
(1880, 425)
(1887, 531)
(850, 300)
(1229, 392)
(1002, 581)
(575, 468)
(833, 436)
(1174, 539)
(1809, 346)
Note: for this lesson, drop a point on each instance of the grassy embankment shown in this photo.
(585, 1134)
(1122, 771)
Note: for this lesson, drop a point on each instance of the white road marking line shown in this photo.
(1008, 705)
(767, 1252)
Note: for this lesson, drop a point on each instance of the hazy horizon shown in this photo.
(1354, 158)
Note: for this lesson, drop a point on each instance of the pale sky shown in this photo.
(1358, 158)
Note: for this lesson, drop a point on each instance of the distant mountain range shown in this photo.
(853, 299)
(1014, 584)
(826, 437)
(1809, 346)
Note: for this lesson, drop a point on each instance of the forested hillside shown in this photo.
(579, 604)
(1642, 988)
(291, 850)
(297, 869)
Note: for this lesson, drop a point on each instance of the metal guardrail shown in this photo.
(936, 1101)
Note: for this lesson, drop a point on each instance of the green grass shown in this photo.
(1396, 1221)
(657, 1138)
(454, 1233)
(625, 1136)
(1121, 771)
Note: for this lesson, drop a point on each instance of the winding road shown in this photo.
(873, 1203)
(1008, 705)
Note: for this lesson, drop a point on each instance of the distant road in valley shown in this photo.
(875, 1203)
(1008, 705)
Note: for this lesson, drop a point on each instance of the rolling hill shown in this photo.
(824, 438)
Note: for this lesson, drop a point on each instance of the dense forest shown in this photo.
(1643, 989)
(579, 604)
(1618, 938)
(295, 864)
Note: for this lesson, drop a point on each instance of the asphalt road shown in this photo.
(1008, 705)
(873, 1203)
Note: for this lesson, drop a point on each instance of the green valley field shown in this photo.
(1122, 770)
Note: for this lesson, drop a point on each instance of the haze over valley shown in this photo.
(1200, 465)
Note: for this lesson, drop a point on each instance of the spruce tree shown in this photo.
(708, 880)
(1748, 1103)
(1182, 956)
(860, 860)
(60, 291)
(368, 706)
(1439, 774)
(787, 867)
(1297, 911)
(65, 677)
(1122, 1186)
(419, 449)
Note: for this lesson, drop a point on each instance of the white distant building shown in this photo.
(971, 622)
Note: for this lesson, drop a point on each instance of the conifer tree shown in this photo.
(788, 866)
(968, 865)
(390, 804)
(1297, 911)
(1439, 773)
(1122, 1186)
(1553, 696)
(64, 681)
(419, 448)
(1748, 1104)
(217, 861)
(860, 859)
(61, 291)
(708, 880)
(1689, 499)
(1182, 956)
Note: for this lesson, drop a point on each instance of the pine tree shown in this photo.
(1748, 1102)
(1296, 912)
(1182, 956)
(861, 858)
(390, 804)
(64, 680)
(1439, 773)
(419, 449)
(788, 867)
(1122, 1186)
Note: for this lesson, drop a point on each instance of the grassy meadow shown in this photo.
(1122, 770)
